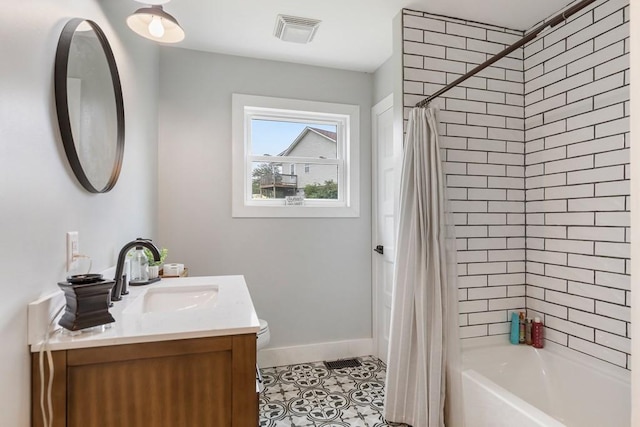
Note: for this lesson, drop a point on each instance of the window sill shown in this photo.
(253, 211)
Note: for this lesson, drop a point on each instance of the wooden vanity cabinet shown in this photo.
(203, 382)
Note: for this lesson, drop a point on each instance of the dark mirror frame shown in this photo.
(62, 106)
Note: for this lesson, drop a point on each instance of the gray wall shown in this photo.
(309, 278)
(39, 196)
(383, 80)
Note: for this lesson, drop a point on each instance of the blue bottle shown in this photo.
(514, 337)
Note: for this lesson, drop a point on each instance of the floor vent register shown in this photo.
(343, 363)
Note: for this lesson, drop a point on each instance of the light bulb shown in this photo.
(156, 28)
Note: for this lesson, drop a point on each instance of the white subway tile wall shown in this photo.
(581, 272)
(483, 146)
(536, 152)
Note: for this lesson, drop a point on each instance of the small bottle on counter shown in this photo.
(139, 266)
(514, 337)
(537, 333)
(522, 329)
(527, 334)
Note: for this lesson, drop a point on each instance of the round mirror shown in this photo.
(89, 105)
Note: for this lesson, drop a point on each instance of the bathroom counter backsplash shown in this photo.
(232, 313)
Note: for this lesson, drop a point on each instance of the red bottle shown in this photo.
(537, 333)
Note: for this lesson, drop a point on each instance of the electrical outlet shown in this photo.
(73, 247)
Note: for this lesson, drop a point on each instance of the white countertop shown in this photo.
(232, 314)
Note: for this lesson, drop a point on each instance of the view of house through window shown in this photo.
(295, 158)
(304, 159)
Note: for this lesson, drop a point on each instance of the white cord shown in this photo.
(50, 387)
(47, 421)
(76, 264)
(44, 413)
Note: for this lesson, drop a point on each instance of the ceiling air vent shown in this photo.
(295, 29)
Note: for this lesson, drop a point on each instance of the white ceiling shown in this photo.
(354, 34)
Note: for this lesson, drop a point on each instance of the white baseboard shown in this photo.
(270, 357)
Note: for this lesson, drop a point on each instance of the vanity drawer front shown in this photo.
(160, 392)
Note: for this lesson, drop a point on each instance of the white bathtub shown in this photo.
(520, 386)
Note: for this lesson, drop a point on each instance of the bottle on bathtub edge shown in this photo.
(528, 329)
(522, 330)
(514, 337)
(537, 333)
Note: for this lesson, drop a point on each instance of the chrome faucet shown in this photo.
(119, 288)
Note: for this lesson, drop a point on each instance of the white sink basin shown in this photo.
(180, 298)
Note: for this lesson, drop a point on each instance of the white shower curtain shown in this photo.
(423, 387)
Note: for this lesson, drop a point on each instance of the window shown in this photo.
(275, 139)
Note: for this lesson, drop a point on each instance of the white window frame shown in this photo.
(347, 118)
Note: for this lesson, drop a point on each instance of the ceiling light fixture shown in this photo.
(295, 29)
(154, 23)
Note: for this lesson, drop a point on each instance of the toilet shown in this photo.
(263, 340)
(263, 335)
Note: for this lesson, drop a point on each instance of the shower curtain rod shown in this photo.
(532, 35)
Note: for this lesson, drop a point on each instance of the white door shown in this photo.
(387, 161)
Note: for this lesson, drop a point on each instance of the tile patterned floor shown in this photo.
(310, 395)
